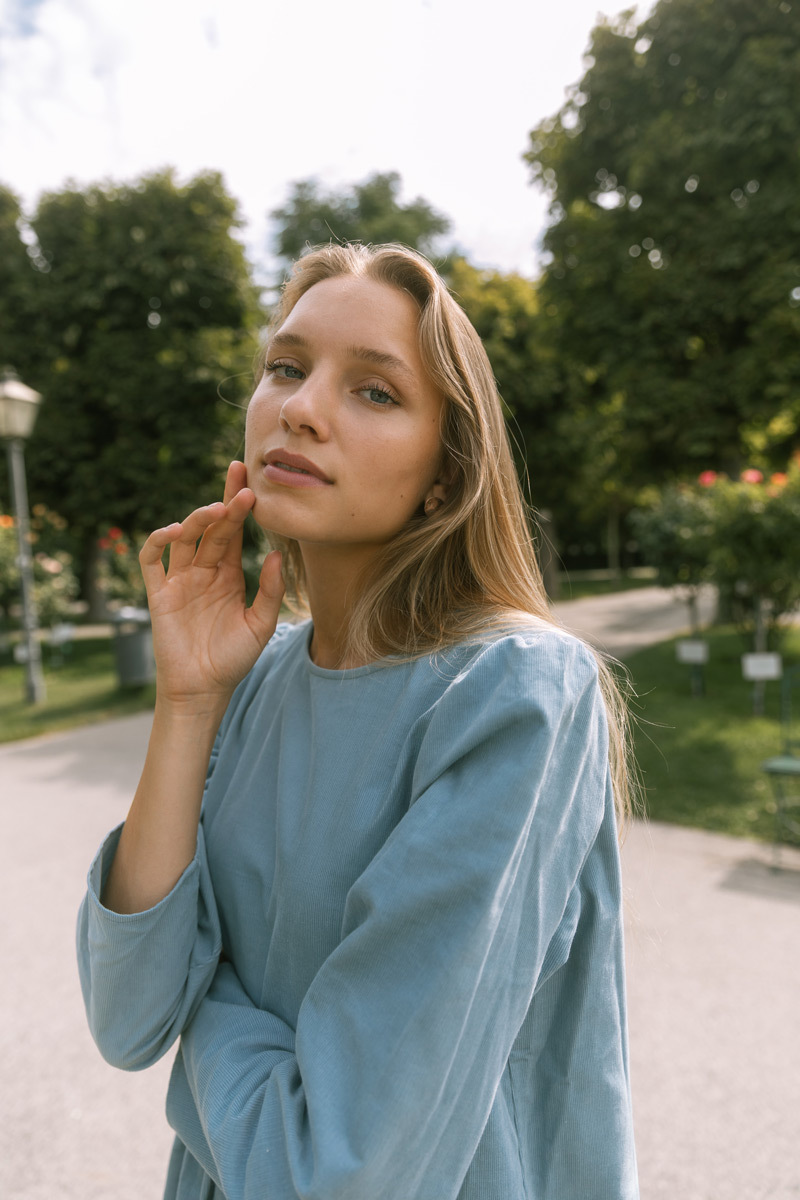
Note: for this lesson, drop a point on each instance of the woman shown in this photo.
(370, 875)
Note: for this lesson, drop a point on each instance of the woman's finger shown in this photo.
(223, 540)
(183, 549)
(235, 480)
(244, 501)
(152, 554)
(263, 615)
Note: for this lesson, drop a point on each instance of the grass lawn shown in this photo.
(83, 690)
(700, 758)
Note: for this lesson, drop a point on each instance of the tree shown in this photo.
(535, 381)
(755, 556)
(504, 308)
(676, 531)
(366, 212)
(19, 284)
(740, 534)
(673, 278)
(146, 306)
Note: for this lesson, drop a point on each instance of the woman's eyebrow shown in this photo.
(288, 340)
(379, 358)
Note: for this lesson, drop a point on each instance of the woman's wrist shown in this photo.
(200, 711)
(159, 838)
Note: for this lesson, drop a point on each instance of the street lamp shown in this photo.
(18, 407)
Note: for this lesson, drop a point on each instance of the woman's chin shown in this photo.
(272, 518)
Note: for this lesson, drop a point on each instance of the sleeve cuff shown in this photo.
(98, 875)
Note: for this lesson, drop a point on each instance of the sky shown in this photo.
(445, 92)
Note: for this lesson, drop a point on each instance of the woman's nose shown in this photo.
(307, 409)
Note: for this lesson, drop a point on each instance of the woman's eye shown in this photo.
(283, 370)
(378, 395)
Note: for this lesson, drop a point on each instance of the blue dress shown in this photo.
(395, 965)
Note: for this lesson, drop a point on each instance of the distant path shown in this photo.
(623, 622)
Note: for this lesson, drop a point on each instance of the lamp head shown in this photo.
(19, 405)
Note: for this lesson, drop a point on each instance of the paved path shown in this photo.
(626, 621)
(713, 954)
(713, 981)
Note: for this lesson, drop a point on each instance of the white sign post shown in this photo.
(756, 667)
(693, 652)
(759, 669)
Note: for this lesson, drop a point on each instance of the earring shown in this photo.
(431, 505)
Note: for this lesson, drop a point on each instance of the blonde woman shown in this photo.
(370, 878)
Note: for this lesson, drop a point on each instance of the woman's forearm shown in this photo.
(159, 838)
(205, 641)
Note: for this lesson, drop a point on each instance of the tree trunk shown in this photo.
(548, 554)
(760, 646)
(612, 543)
(97, 611)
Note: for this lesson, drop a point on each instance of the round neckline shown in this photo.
(341, 673)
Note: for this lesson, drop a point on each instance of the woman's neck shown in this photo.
(332, 582)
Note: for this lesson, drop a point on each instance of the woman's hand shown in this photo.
(205, 637)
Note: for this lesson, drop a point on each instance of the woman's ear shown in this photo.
(438, 491)
(444, 479)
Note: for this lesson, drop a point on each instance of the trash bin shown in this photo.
(133, 647)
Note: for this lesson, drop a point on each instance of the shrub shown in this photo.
(55, 585)
(743, 535)
(675, 534)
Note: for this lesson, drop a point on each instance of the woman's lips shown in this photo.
(293, 470)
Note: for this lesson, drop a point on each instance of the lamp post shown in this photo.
(18, 407)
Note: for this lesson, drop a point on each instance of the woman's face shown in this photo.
(342, 438)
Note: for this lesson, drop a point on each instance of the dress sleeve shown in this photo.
(144, 974)
(404, 1033)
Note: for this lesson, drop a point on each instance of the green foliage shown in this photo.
(518, 335)
(19, 290)
(55, 585)
(9, 570)
(756, 554)
(673, 287)
(676, 534)
(504, 310)
(739, 534)
(119, 578)
(366, 212)
(143, 305)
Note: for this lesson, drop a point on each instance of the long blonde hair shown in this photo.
(471, 567)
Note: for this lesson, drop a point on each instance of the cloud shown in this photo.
(18, 18)
(443, 91)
